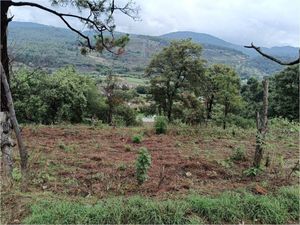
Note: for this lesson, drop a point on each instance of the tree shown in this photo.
(252, 93)
(262, 126)
(227, 84)
(176, 68)
(285, 93)
(99, 21)
(113, 96)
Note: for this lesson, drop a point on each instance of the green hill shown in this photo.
(50, 47)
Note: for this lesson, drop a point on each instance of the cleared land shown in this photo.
(85, 164)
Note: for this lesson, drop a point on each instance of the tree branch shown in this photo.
(99, 27)
(297, 61)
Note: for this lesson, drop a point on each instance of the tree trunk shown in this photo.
(209, 105)
(5, 125)
(15, 125)
(6, 150)
(170, 108)
(262, 127)
(225, 116)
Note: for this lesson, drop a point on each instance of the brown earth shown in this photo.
(81, 161)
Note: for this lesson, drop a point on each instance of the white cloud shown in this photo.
(265, 22)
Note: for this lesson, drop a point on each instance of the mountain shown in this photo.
(285, 51)
(50, 47)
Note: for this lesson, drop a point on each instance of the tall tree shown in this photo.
(99, 20)
(177, 67)
(285, 93)
(227, 84)
(252, 93)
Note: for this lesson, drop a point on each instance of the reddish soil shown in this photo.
(81, 161)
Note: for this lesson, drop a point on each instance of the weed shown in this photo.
(122, 167)
(137, 139)
(65, 148)
(238, 153)
(143, 163)
(252, 171)
(16, 174)
(160, 125)
(127, 148)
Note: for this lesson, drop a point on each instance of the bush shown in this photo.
(160, 125)
(137, 139)
(238, 153)
(143, 163)
(127, 114)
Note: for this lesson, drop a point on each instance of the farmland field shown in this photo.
(85, 164)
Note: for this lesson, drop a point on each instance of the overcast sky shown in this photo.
(265, 22)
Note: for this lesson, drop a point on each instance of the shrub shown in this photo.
(137, 139)
(160, 125)
(252, 171)
(238, 153)
(143, 163)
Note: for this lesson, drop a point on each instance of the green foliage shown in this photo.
(252, 171)
(252, 93)
(225, 208)
(230, 207)
(224, 86)
(66, 96)
(143, 162)
(62, 96)
(284, 94)
(137, 138)
(176, 68)
(265, 209)
(16, 174)
(238, 153)
(160, 125)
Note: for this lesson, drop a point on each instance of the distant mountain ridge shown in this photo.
(285, 51)
(51, 47)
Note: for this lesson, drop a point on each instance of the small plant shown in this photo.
(122, 167)
(127, 148)
(252, 171)
(16, 174)
(160, 125)
(238, 153)
(143, 163)
(137, 139)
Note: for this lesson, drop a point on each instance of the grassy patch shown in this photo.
(229, 207)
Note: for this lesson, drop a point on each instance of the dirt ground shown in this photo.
(82, 161)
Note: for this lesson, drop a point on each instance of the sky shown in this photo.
(264, 22)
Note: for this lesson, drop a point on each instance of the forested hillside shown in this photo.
(28, 46)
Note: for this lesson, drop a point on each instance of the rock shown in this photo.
(188, 174)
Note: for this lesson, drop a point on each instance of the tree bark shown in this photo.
(262, 127)
(5, 124)
(6, 150)
(15, 125)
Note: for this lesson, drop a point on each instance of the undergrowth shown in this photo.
(230, 207)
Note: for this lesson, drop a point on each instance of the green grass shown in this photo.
(230, 207)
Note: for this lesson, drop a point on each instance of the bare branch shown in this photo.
(60, 15)
(297, 61)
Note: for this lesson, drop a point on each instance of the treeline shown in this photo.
(182, 88)
(68, 96)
